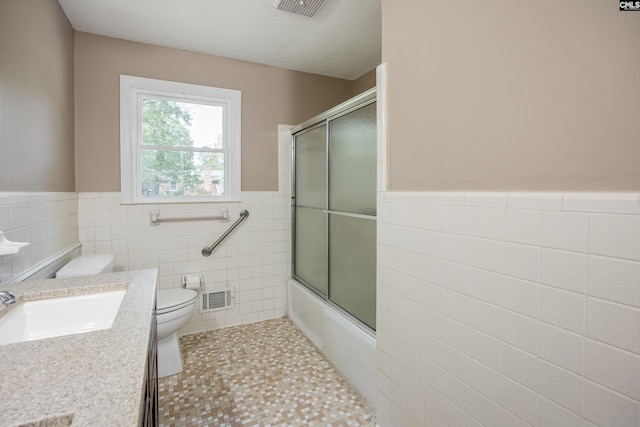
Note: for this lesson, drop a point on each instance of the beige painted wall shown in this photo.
(507, 95)
(364, 82)
(270, 96)
(36, 97)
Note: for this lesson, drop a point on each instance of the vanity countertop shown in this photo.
(87, 379)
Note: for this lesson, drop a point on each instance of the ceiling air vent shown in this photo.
(301, 7)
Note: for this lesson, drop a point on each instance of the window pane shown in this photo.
(311, 175)
(167, 173)
(352, 166)
(181, 124)
(352, 266)
(310, 257)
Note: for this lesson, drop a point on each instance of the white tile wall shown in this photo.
(255, 259)
(48, 221)
(509, 309)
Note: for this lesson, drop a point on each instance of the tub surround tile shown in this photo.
(486, 199)
(612, 203)
(605, 407)
(519, 400)
(564, 270)
(486, 318)
(563, 309)
(485, 410)
(520, 296)
(487, 286)
(616, 236)
(552, 414)
(487, 254)
(617, 369)
(614, 280)
(48, 221)
(519, 365)
(560, 386)
(460, 220)
(561, 347)
(437, 218)
(255, 257)
(564, 230)
(539, 298)
(523, 226)
(538, 201)
(521, 261)
(488, 223)
(614, 324)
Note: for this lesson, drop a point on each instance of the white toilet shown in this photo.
(174, 308)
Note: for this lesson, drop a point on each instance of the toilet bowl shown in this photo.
(174, 308)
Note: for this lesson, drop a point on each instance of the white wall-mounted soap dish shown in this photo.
(7, 247)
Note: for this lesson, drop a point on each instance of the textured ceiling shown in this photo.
(342, 40)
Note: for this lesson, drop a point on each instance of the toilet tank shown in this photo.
(86, 265)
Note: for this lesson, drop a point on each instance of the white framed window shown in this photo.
(179, 142)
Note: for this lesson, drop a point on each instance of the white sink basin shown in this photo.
(54, 317)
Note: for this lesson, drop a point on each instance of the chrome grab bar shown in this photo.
(154, 217)
(244, 214)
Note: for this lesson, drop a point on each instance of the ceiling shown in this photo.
(342, 40)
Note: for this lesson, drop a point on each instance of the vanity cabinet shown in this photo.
(149, 416)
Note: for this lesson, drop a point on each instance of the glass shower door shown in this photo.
(352, 213)
(310, 200)
(334, 208)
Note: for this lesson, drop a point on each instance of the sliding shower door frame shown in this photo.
(324, 119)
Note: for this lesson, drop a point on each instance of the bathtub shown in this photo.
(349, 348)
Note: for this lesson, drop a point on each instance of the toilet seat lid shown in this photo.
(168, 299)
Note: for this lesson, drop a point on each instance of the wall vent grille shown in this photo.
(219, 299)
(301, 7)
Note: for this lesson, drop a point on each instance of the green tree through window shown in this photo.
(166, 124)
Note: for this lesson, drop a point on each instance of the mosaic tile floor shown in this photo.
(261, 374)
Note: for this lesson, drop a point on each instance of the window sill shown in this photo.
(177, 201)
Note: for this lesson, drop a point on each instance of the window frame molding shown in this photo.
(131, 87)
